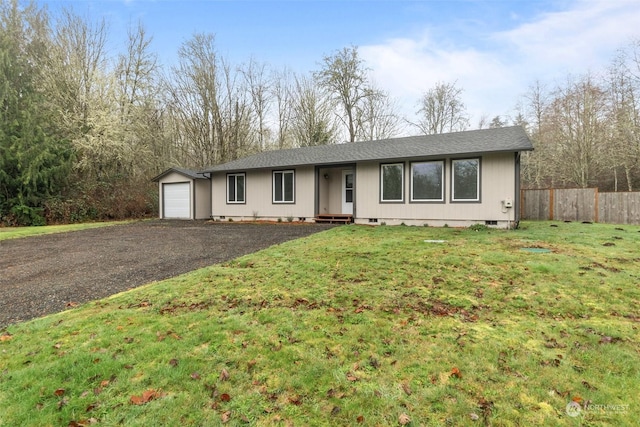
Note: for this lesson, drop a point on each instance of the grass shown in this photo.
(17, 232)
(353, 326)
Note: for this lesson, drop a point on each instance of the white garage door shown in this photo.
(177, 200)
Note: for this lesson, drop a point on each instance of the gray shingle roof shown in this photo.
(507, 139)
(186, 172)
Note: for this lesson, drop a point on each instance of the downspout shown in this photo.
(355, 192)
(516, 206)
(316, 201)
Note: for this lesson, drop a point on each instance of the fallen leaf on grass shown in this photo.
(173, 362)
(406, 388)
(295, 400)
(5, 337)
(455, 372)
(59, 392)
(92, 406)
(225, 417)
(335, 411)
(608, 340)
(360, 419)
(225, 397)
(224, 375)
(63, 402)
(404, 419)
(71, 304)
(146, 397)
(195, 376)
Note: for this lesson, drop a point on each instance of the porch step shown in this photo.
(334, 219)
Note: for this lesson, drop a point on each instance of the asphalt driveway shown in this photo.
(46, 274)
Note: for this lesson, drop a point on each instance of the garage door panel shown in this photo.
(177, 200)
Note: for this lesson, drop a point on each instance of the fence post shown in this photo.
(522, 210)
(596, 201)
(551, 193)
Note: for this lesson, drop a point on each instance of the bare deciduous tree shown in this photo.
(344, 77)
(441, 110)
(577, 118)
(209, 105)
(312, 121)
(282, 92)
(624, 92)
(377, 116)
(259, 85)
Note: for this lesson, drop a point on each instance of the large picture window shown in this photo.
(235, 188)
(465, 180)
(427, 181)
(392, 182)
(283, 186)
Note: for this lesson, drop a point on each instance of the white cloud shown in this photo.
(547, 47)
(585, 36)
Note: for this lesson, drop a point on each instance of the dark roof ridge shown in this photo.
(505, 139)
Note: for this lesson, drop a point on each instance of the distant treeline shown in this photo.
(83, 130)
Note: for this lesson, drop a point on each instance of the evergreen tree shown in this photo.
(34, 164)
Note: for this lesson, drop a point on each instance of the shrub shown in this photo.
(478, 227)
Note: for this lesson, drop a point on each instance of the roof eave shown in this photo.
(192, 175)
(373, 159)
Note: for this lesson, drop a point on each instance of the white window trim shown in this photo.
(382, 199)
(442, 189)
(453, 183)
(236, 175)
(273, 186)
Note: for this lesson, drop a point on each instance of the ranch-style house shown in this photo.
(457, 179)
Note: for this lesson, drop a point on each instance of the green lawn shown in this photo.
(16, 232)
(353, 326)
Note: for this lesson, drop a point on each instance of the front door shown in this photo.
(347, 192)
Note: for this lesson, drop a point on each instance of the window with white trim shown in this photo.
(235, 188)
(284, 186)
(427, 181)
(465, 180)
(392, 182)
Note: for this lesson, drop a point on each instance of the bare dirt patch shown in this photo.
(47, 274)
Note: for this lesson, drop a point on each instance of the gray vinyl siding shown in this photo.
(496, 183)
(259, 196)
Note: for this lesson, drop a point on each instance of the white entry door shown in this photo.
(347, 192)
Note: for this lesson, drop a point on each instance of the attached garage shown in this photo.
(184, 194)
(176, 198)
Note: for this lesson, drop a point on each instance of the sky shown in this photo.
(493, 49)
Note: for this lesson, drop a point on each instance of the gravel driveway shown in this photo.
(41, 275)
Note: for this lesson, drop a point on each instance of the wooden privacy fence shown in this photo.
(580, 204)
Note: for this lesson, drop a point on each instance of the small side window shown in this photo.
(236, 188)
(392, 182)
(284, 186)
